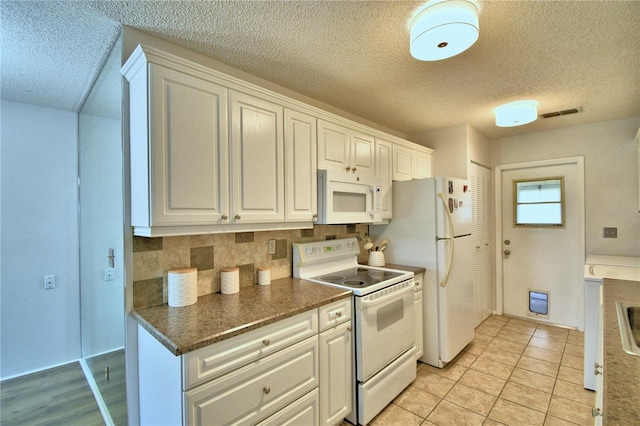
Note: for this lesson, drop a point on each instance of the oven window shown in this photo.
(390, 314)
(349, 202)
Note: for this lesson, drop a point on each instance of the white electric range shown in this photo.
(383, 316)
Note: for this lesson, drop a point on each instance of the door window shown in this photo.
(539, 202)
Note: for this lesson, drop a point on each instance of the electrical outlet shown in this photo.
(49, 282)
(109, 274)
(271, 247)
(610, 233)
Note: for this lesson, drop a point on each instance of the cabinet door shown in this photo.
(188, 149)
(362, 154)
(256, 391)
(301, 170)
(333, 146)
(423, 165)
(384, 156)
(419, 324)
(336, 380)
(257, 160)
(402, 163)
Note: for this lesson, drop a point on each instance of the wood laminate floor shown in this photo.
(58, 396)
(113, 391)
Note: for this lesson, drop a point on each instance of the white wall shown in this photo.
(39, 237)
(611, 170)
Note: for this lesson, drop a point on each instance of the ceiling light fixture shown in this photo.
(516, 113)
(442, 29)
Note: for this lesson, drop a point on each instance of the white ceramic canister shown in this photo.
(182, 287)
(376, 258)
(230, 280)
(264, 276)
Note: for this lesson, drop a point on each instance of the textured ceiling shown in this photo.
(354, 55)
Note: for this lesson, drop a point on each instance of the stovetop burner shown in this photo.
(358, 277)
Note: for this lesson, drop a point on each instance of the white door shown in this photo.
(542, 240)
(481, 237)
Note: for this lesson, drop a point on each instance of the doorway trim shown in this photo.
(579, 162)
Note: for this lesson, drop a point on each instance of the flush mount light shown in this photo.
(442, 29)
(516, 113)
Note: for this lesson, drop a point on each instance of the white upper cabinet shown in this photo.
(344, 149)
(257, 152)
(301, 177)
(384, 157)
(212, 153)
(411, 161)
(179, 169)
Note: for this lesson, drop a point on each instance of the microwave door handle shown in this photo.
(372, 190)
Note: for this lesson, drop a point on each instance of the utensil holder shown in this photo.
(376, 258)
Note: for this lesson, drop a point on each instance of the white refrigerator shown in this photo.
(431, 228)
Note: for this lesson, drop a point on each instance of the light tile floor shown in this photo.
(515, 372)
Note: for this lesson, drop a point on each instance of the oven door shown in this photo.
(385, 324)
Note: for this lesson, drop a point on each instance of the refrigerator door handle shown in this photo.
(451, 243)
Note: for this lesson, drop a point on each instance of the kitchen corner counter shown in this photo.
(216, 317)
(621, 370)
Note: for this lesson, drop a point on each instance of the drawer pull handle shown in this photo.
(266, 342)
(266, 390)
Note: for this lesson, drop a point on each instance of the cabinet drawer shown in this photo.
(335, 313)
(302, 412)
(256, 391)
(220, 358)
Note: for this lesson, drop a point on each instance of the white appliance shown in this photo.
(431, 227)
(347, 198)
(384, 320)
(596, 269)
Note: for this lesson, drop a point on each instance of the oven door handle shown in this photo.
(386, 298)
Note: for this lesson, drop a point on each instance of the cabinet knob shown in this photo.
(349, 329)
(266, 342)
(348, 168)
(237, 217)
(225, 217)
(315, 217)
(353, 170)
(597, 368)
(338, 314)
(266, 390)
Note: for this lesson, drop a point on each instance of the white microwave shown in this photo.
(347, 198)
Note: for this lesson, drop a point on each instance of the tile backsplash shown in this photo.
(154, 257)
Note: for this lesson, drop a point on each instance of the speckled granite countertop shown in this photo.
(621, 370)
(216, 317)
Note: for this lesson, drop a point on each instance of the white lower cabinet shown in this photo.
(336, 374)
(417, 300)
(295, 371)
(256, 391)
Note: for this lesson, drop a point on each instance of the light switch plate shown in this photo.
(610, 233)
(271, 247)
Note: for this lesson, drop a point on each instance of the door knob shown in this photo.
(507, 252)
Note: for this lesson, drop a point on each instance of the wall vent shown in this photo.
(563, 112)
